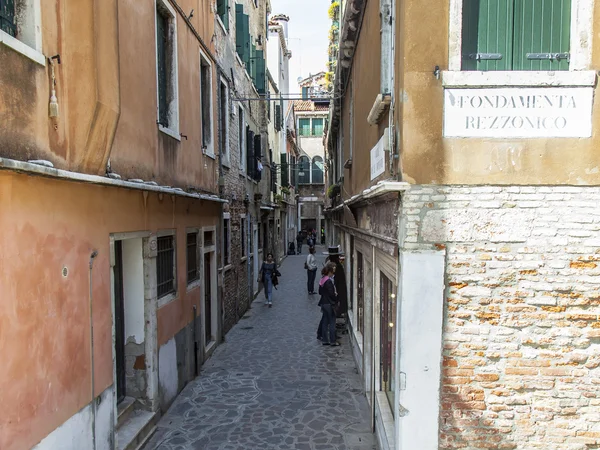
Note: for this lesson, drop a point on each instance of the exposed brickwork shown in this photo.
(522, 313)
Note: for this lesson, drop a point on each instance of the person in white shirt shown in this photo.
(311, 270)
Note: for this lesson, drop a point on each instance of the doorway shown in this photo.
(129, 322)
(119, 322)
(208, 331)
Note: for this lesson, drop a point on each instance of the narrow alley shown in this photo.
(272, 385)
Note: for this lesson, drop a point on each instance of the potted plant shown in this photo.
(278, 198)
(333, 191)
(285, 190)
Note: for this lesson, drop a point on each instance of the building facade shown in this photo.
(311, 116)
(472, 235)
(108, 182)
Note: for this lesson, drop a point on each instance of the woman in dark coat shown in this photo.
(334, 254)
(327, 303)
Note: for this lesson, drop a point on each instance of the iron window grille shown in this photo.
(165, 266)
(192, 257)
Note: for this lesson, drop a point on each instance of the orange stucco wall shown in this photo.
(44, 317)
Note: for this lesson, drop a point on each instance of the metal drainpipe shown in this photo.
(91, 265)
(373, 349)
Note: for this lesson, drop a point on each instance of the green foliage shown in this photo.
(334, 10)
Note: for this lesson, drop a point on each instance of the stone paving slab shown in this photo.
(272, 385)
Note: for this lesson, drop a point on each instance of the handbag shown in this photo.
(305, 266)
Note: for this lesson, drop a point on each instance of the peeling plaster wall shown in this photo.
(76, 432)
(521, 355)
(167, 373)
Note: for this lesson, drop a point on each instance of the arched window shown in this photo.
(304, 170)
(317, 170)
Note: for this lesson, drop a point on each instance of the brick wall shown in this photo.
(522, 312)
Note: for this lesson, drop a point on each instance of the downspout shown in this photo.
(91, 265)
(373, 351)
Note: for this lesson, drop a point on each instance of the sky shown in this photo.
(308, 36)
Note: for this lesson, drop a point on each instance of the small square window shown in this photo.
(209, 238)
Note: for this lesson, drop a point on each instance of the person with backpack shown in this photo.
(311, 270)
(328, 303)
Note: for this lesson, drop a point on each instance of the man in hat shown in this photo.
(334, 255)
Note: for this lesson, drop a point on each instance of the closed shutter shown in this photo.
(257, 156)
(252, 67)
(250, 152)
(285, 177)
(223, 12)
(487, 34)
(242, 34)
(260, 72)
(542, 27)
(162, 28)
(305, 93)
(278, 117)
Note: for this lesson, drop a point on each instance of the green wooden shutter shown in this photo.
(305, 93)
(260, 72)
(542, 27)
(252, 67)
(487, 31)
(242, 34)
(223, 12)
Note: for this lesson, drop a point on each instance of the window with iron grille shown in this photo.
(516, 34)
(226, 242)
(192, 257)
(7, 17)
(165, 266)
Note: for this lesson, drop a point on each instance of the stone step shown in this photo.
(136, 430)
(124, 410)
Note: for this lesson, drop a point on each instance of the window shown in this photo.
(166, 69)
(192, 257)
(165, 266)
(206, 104)
(317, 170)
(360, 293)
(516, 35)
(285, 177)
(304, 127)
(223, 12)
(304, 170)
(250, 159)
(223, 123)
(209, 238)
(317, 127)
(278, 121)
(21, 28)
(243, 235)
(241, 135)
(226, 241)
(305, 93)
(7, 17)
(388, 341)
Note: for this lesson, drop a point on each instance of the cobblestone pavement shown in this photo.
(272, 385)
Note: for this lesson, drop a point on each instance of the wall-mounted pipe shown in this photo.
(93, 255)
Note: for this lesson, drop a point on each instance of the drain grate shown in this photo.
(247, 328)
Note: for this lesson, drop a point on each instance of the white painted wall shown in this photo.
(133, 287)
(167, 371)
(76, 432)
(420, 343)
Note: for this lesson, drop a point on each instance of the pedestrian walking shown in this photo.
(328, 303)
(299, 240)
(311, 270)
(267, 274)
